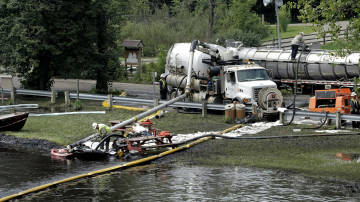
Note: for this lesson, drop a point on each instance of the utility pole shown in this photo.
(211, 18)
(278, 4)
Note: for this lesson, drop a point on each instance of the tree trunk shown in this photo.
(44, 77)
(211, 18)
(102, 76)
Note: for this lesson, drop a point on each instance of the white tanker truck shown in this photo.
(218, 76)
(317, 69)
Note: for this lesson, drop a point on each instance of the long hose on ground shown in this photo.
(229, 137)
(253, 138)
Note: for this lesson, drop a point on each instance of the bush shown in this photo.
(284, 18)
(248, 38)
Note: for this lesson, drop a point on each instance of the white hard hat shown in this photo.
(94, 125)
(353, 94)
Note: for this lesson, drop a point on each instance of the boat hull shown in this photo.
(13, 121)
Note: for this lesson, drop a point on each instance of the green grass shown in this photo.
(309, 156)
(291, 32)
(341, 45)
(67, 129)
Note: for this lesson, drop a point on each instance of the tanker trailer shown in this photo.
(218, 77)
(318, 69)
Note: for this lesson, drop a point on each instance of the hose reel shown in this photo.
(270, 99)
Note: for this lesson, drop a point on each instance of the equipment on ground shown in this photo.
(331, 100)
(219, 77)
(134, 139)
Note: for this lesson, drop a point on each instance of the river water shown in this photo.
(22, 169)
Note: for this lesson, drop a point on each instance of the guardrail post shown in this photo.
(53, 97)
(156, 102)
(67, 98)
(204, 108)
(338, 120)
(12, 96)
(281, 117)
(110, 100)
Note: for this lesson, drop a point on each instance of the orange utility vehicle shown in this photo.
(331, 100)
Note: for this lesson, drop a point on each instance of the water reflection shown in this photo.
(196, 183)
(24, 168)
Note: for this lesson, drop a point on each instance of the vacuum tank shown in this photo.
(177, 60)
(314, 65)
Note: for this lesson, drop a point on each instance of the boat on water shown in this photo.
(13, 121)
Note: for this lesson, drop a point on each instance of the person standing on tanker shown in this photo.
(295, 43)
(354, 102)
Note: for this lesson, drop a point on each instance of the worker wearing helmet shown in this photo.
(295, 43)
(163, 88)
(355, 106)
(101, 129)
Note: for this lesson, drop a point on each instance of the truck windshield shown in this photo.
(252, 75)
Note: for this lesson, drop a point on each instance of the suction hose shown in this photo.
(295, 89)
(253, 138)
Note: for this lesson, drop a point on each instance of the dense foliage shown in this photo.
(44, 39)
(325, 15)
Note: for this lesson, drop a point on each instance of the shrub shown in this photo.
(248, 38)
(284, 18)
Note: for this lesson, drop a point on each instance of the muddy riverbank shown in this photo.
(37, 144)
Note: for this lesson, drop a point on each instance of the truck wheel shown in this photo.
(270, 99)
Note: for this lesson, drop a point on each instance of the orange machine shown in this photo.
(331, 101)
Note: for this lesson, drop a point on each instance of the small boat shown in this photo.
(13, 122)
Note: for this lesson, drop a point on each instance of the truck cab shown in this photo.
(244, 82)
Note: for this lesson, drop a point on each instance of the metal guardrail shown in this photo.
(219, 107)
(40, 93)
(116, 99)
(348, 117)
(308, 38)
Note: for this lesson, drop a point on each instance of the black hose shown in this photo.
(321, 124)
(177, 89)
(254, 138)
(295, 90)
(106, 138)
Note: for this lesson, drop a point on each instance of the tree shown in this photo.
(325, 14)
(240, 23)
(69, 38)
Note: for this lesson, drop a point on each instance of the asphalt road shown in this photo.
(131, 89)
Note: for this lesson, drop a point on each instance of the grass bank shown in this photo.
(66, 129)
(291, 31)
(309, 156)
